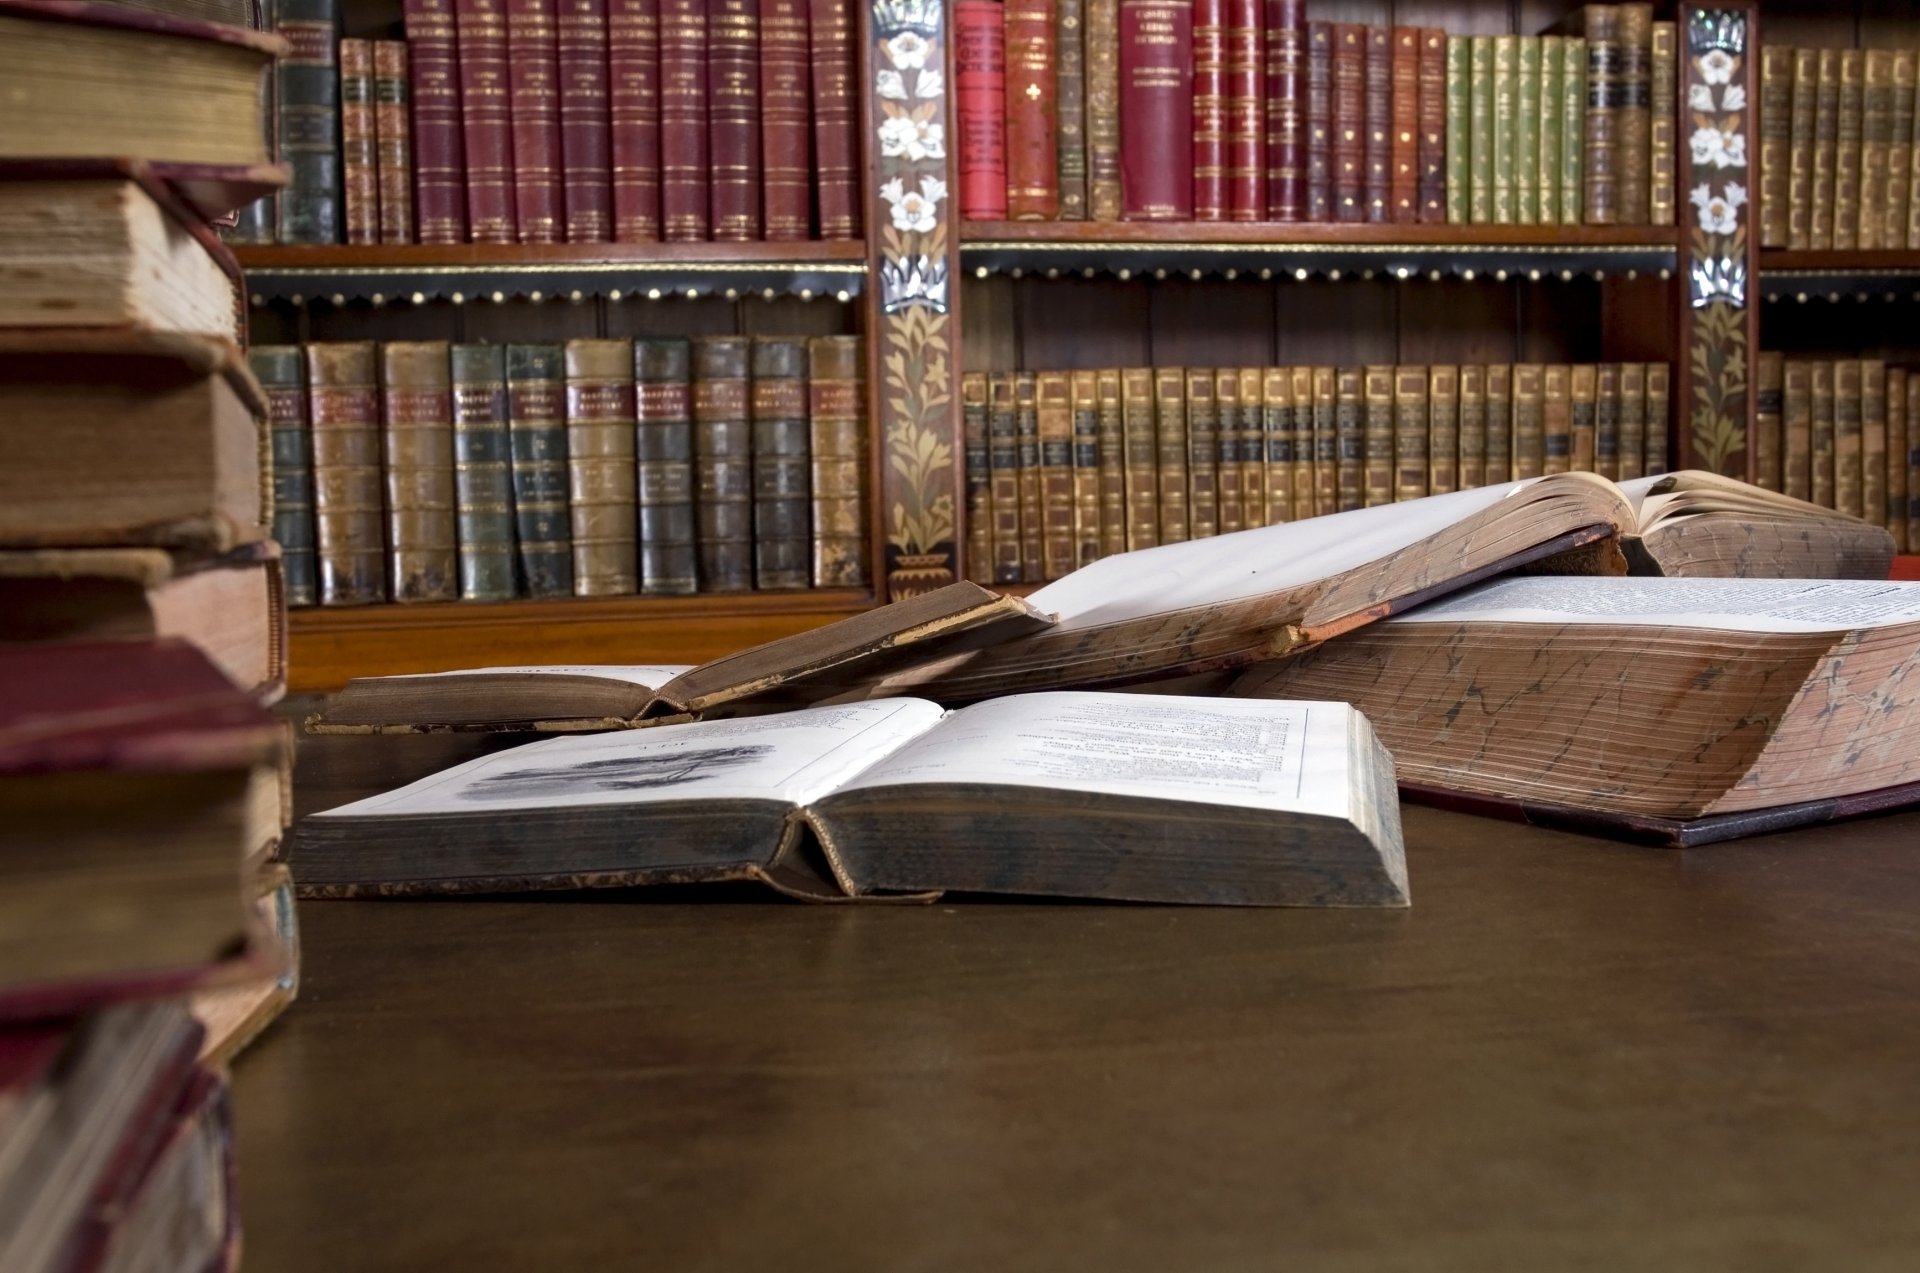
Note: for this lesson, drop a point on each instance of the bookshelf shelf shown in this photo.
(331, 646)
(1835, 276)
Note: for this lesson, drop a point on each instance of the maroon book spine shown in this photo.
(1286, 109)
(1246, 125)
(359, 156)
(785, 120)
(1379, 127)
(439, 163)
(1432, 158)
(486, 119)
(1209, 110)
(733, 118)
(633, 117)
(393, 135)
(1156, 109)
(836, 138)
(1403, 181)
(1319, 114)
(980, 105)
(533, 74)
(585, 158)
(1033, 163)
(683, 121)
(1349, 122)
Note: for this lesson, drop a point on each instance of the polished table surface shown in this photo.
(1568, 1054)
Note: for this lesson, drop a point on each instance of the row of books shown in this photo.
(1836, 148)
(533, 121)
(1239, 110)
(428, 471)
(1066, 467)
(1844, 434)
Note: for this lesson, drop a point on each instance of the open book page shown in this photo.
(646, 676)
(792, 757)
(1727, 605)
(1265, 755)
(1691, 491)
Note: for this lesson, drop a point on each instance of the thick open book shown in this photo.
(1674, 710)
(1131, 797)
(1694, 524)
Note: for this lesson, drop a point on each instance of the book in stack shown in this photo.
(147, 931)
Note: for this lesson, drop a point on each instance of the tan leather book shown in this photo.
(1279, 443)
(1896, 465)
(1606, 421)
(1377, 436)
(1499, 417)
(416, 425)
(1582, 406)
(1473, 426)
(1324, 386)
(1769, 368)
(1873, 441)
(1633, 122)
(1633, 419)
(1823, 432)
(1796, 414)
(1253, 446)
(1876, 140)
(1443, 438)
(1849, 412)
(837, 420)
(1142, 467)
(1350, 427)
(1849, 134)
(1800, 149)
(1305, 465)
(1084, 392)
(603, 465)
(349, 523)
(1003, 454)
(1900, 167)
(1103, 110)
(1170, 447)
(1776, 143)
(1113, 462)
(234, 1015)
(1556, 381)
(1026, 421)
(1529, 420)
(979, 477)
(1662, 125)
(1826, 150)
(1203, 456)
(1659, 417)
(1226, 402)
(1410, 433)
(1053, 394)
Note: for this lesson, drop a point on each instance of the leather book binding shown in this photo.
(1553, 105)
(393, 140)
(1053, 391)
(537, 427)
(1253, 446)
(1473, 426)
(980, 107)
(1378, 439)
(1899, 456)
(836, 419)
(1317, 386)
(1033, 172)
(633, 119)
(663, 406)
(1901, 170)
(602, 467)
(483, 473)
(1070, 116)
(836, 98)
(1849, 414)
(733, 118)
(1481, 130)
(1103, 110)
(359, 158)
(1430, 186)
(486, 118)
(684, 207)
(1156, 111)
(1529, 420)
(1209, 110)
(785, 121)
(1583, 391)
(308, 82)
(586, 157)
(1026, 424)
(1606, 421)
(1202, 463)
(1556, 418)
(1443, 404)
(1499, 423)
(1110, 425)
(723, 463)
(1820, 429)
(1664, 70)
(1230, 509)
(1605, 94)
(1170, 441)
(349, 530)
(1826, 133)
(1634, 117)
(282, 373)
(979, 476)
(1410, 433)
(416, 426)
(1318, 188)
(1349, 122)
(1003, 468)
(1873, 441)
(1277, 446)
(1350, 436)
(1573, 130)
(1633, 419)
(1139, 443)
(1659, 391)
(782, 464)
(1506, 127)
(1403, 143)
(1286, 109)
(1876, 135)
(1526, 138)
(533, 82)
(1305, 462)
(439, 154)
(1379, 123)
(1084, 397)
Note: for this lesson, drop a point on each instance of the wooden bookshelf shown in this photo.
(1892, 274)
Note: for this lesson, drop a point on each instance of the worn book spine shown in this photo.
(586, 156)
(633, 118)
(359, 154)
(1573, 131)
(601, 467)
(1849, 131)
(723, 463)
(439, 163)
(1209, 110)
(1776, 143)
(1200, 466)
(343, 398)
(486, 119)
(1026, 422)
(1633, 120)
(1431, 150)
(1003, 457)
(980, 107)
(1253, 452)
(1323, 392)
(785, 122)
(1800, 147)
(1156, 109)
(837, 418)
(1070, 98)
(1410, 433)
(664, 485)
(1473, 427)
(1556, 427)
(1796, 422)
(1600, 176)
(1499, 423)
(1900, 151)
(1633, 420)
(1583, 404)
(533, 78)
(979, 476)
(1769, 420)
(1876, 137)
(1084, 391)
(1103, 110)
(685, 212)
(1826, 144)
(1896, 460)
(1111, 426)
(1246, 127)
(1873, 441)
(1139, 442)
(281, 371)
(1349, 154)
(1280, 446)
(1378, 438)
(1546, 173)
(836, 138)
(1606, 421)
(1659, 406)
(1849, 415)
(733, 118)
(1320, 124)
(1443, 441)
(1378, 179)
(1350, 435)
(1662, 125)
(482, 472)
(1506, 126)
(1285, 89)
(1033, 161)
(1822, 429)
(255, 222)
(416, 400)
(1053, 393)
(1403, 141)
(1459, 136)
(782, 463)
(393, 141)
(1526, 131)
(308, 80)
(1305, 484)
(1229, 503)
(1480, 125)
(537, 425)
(1529, 420)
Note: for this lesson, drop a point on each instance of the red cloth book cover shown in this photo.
(633, 87)
(980, 106)
(1156, 110)
(533, 79)
(1033, 166)
(586, 163)
(486, 118)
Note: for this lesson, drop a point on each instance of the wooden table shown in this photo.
(1569, 1054)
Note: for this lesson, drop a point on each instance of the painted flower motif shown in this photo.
(909, 51)
(1699, 97)
(888, 83)
(902, 137)
(1734, 99)
(1719, 213)
(1716, 66)
(930, 83)
(1715, 149)
(915, 211)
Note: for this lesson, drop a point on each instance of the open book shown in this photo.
(1676, 710)
(1132, 797)
(1693, 523)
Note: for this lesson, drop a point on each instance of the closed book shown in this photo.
(1480, 124)
(1403, 175)
(1873, 441)
(1279, 446)
(1349, 121)
(1473, 426)
(533, 80)
(834, 51)
(1156, 110)
(416, 429)
(980, 107)
(1849, 416)
(1553, 104)
(1499, 423)
(343, 398)
(1228, 426)
(1410, 433)
(1876, 137)
(785, 121)
(1769, 420)
(1900, 150)
(978, 476)
(782, 463)
(359, 158)
(1170, 433)
(1285, 90)
(1506, 127)
(1139, 443)
(1306, 465)
(483, 472)
(1053, 391)
(439, 154)
(1663, 126)
(1319, 117)
(486, 119)
(723, 463)
(684, 154)
(1003, 460)
(633, 117)
(1323, 389)
(586, 158)
(1104, 200)
(1529, 420)
(1033, 164)
(1459, 138)
(308, 89)
(393, 140)
(282, 373)
(1659, 423)
(1110, 422)
(1209, 110)
(1633, 121)
(1805, 95)
(1573, 131)
(1599, 25)
(601, 466)
(1583, 387)
(1246, 123)
(1526, 130)
(1070, 99)
(1380, 130)
(1821, 430)
(1084, 395)
(1776, 143)
(1026, 425)
(1633, 420)
(1378, 436)
(1849, 129)
(1897, 458)
(1556, 382)
(1431, 152)
(537, 429)
(837, 420)
(1443, 406)
(733, 118)
(1826, 150)
(1253, 447)
(1202, 463)
(1350, 436)
(1606, 421)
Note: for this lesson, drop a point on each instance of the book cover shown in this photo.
(1323, 390)
(1306, 464)
(282, 373)
(1499, 423)
(1070, 94)
(1432, 148)
(1849, 133)
(1349, 122)
(1443, 439)
(1033, 159)
(416, 429)
(1104, 201)
(1350, 423)
(1201, 464)
(1253, 467)
(1826, 150)
(1110, 423)
(440, 166)
(1556, 392)
(1553, 104)
(978, 476)
(1156, 110)
(1606, 421)
(1140, 442)
(1480, 130)
(1053, 399)
(1849, 415)
(1026, 425)
(1526, 128)
(1633, 420)
(1873, 441)
(533, 82)
(723, 463)
(836, 103)
(663, 445)
(733, 118)
(1583, 393)
(483, 472)
(1473, 426)
(1796, 428)
(1900, 167)
(1459, 135)
(1209, 110)
(1633, 119)
(837, 417)
(1800, 148)
(1245, 114)
(307, 81)
(782, 463)
(601, 466)
(685, 157)
(633, 122)
(1606, 93)
(1410, 433)
(1506, 127)
(1876, 138)
(1659, 421)
(1573, 131)
(1378, 112)
(1823, 430)
(980, 107)
(1378, 438)
(1320, 124)
(1529, 420)
(586, 156)
(393, 140)
(1776, 143)
(1663, 75)
(486, 119)
(1084, 391)
(537, 429)
(1229, 424)
(1003, 460)
(1286, 109)
(1897, 458)
(349, 527)
(359, 158)
(1403, 143)
(1279, 446)
(785, 121)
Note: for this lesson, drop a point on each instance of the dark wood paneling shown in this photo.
(1211, 323)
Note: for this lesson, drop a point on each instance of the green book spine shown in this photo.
(281, 371)
(1459, 130)
(483, 473)
(1480, 137)
(1573, 126)
(663, 447)
(1553, 50)
(1506, 137)
(1526, 124)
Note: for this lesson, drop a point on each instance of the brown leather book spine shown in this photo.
(785, 121)
(1110, 424)
(533, 75)
(1377, 438)
(1156, 110)
(723, 463)
(393, 141)
(836, 98)
(1033, 163)
(1849, 129)
(440, 171)
(1849, 414)
(1776, 143)
(1499, 423)
(1380, 123)
(782, 464)
(1663, 64)
(1410, 433)
(1349, 154)
(1070, 116)
(1138, 442)
(1633, 420)
(486, 119)
(1800, 143)
(1900, 151)
(1279, 443)
(1306, 463)
(1323, 390)
(733, 118)
(1104, 200)
(1769, 431)
(1026, 424)
(602, 467)
(1529, 420)
(537, 423)
(1246, 123)
(1431, 152)
(1350, 431)
(1473, 427)
(1443, 438)
(1286, 109)
(1876, 137)
(1003, 457)
(416, 400)
(837, 418)
(1228, 426)
(1659, 407)
(1170, 441)
(359, 154)
(1897, 458)
(343, 397)
(1873, 441)
(1202, 463)
(1820, 432)
(1084, 400)
(1053, 393)
(979, 476)
(1403, 142)
(1606, 91)
(1556, 418)
(1253, 446)
(1583, 393)
(684, 208)
(1634, 120)
(1318, 189)
(980, 107)
(1826, 144)
(586, 157)
(633, 119)
(483, 473)
(663, 448)
(1606, 421)
(1210, 110)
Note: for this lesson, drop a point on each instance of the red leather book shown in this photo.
(586, 164)
(785, 120)
(733, 117)
(1403, 180)
(633, 113)
(439, 156)
(1033, 160)
(1286, 109)
(533, 78)
(980, 107)
(1209, 110)
(1246, 125)
(1349, 122)
(1431, 186)
(836, 137)
(1319, 115)
(1156, 110)
(1379, 130)
(683, 121)
(359, 161)
(486, 119)
(393, 140)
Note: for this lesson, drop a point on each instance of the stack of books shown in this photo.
(1843, 433)
(1836, 149)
